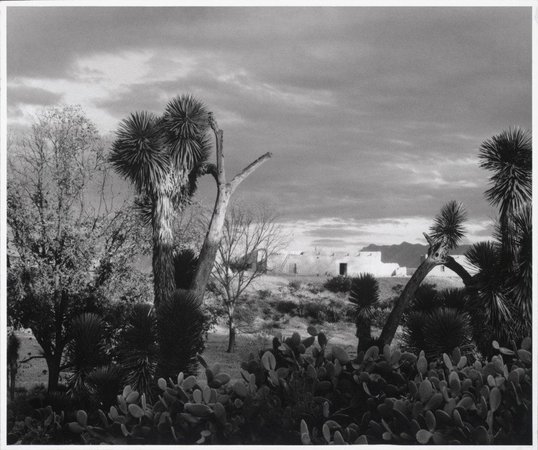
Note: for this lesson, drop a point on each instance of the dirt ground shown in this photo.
(34, 372)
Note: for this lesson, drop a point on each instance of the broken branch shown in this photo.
(238, 179)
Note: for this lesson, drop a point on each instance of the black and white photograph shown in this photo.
(267, 224)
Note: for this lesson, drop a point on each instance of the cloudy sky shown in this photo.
(374, 115)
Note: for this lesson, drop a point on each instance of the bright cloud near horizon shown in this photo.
(374, 115)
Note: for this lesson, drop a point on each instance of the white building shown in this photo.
(332, 264)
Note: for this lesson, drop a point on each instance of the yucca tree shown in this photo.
(445, 234)
(85, 351)
(502, 287)
(162, 157)
(508, 156)
(138, 350)
(364, 294)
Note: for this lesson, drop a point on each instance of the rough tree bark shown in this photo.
(163, 261)
(225, 190)
(437, 255)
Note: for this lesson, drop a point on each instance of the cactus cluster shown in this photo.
(313, 393)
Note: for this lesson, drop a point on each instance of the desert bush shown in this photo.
(180, 329)
(426, 298)
(264, 294)
(85, 351)
(437, 331)
(104, 383)
(185, 262)
(315, 395)
(285, 306)
(380, 315)
(294, 285)
(338, 284)
(314, 311)
(455, 298)
(137, 350)
(314, 288)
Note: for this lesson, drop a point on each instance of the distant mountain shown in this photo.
(406, 254)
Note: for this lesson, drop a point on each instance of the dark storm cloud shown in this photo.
(369, 112)
(31, 96)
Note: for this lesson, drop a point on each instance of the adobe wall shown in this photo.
(310, 263)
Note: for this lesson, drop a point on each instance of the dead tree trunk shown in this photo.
(225, 190)
(437, 255)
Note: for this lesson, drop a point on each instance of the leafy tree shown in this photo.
(67, 241)
(364, 295)
(251, 235)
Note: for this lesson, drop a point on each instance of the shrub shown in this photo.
(338, 284)
(264, 293)
(437, 331)
(314, 288)
(180, 327)
(185, 262)
(380, 314)
(86, 349)
(285, 306)
(426, 298)
(294, 285)
(314, 395)
(454, 298)
(137, 349)
(315, 311)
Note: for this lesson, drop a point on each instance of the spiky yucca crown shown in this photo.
(448, 225)
(364, 293)
(158, 153)
(509, 156)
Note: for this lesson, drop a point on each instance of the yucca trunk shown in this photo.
(163, 261)
(53, 366)
(363, 333)
(389, 330)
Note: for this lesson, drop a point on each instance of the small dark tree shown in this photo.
(180, 325)
(138, 349)
(364, 295)
(85, 351)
